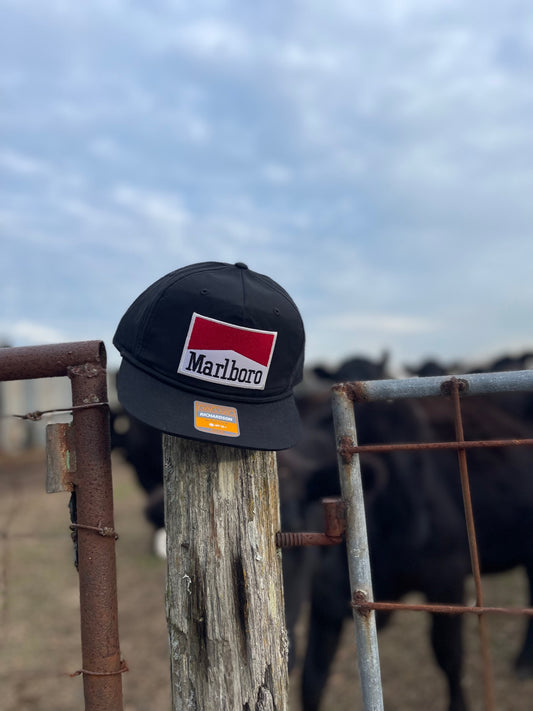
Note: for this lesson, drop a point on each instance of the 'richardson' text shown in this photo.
(226, 370)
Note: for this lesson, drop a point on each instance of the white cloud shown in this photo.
(385, 324)
(24, 165)
(105, 148)
(206, 38)
(298, 57)
(27, 332)
(276, 173)
(159, 207)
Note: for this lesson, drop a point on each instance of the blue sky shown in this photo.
(375, 159)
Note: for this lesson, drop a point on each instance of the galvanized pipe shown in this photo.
(474, 384)
(358, 552)
(85, 364)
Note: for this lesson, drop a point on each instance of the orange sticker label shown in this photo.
(216, 419)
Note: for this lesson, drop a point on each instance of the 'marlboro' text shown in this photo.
(226, 370)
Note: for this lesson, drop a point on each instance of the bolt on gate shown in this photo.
(344, 396)
(78, 460)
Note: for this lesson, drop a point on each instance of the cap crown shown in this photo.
(216, 328)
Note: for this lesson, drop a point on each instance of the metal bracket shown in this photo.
(335, 527)
(60, 457)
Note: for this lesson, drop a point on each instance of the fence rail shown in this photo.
(469, 384)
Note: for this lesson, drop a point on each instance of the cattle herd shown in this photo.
(414, 508)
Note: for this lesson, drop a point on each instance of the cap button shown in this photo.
(241, 265)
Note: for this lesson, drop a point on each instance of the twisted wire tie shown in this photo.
(123, 668)
(102, 530)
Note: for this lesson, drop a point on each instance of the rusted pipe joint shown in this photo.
(354, 391)
(447, 386)
(359, 603)
(345, 449)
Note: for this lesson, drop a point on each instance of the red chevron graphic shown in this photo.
(210, 334)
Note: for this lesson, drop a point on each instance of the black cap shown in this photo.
(212, 352)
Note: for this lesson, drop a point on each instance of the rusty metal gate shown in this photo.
(344, 396)
(78, 460)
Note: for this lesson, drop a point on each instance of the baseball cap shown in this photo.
(212, 352)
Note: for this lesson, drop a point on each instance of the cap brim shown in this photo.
(267, 426)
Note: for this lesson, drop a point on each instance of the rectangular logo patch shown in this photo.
(216, 419)
(226, 354)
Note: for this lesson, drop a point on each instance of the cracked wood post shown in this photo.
(225, 612)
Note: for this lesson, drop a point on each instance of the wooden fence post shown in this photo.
(225, 614)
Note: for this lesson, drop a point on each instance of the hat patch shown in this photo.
(226, 354)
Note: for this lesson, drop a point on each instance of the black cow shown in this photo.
(517, 404)
(523, 361)
(501, 484)
(432, 367)
(416, 526)
(142, 447)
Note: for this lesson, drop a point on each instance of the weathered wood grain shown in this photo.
(225, 613)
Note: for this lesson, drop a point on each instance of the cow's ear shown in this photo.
(322, 373)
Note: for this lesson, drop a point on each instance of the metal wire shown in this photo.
(39, 414)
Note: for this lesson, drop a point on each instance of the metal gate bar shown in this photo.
(84, 363)
(357, 551)
(344, 396)
(471, 384)
(488, 676)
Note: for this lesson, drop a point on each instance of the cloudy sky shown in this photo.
(376, 159)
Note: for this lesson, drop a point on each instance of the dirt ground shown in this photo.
(39, 607)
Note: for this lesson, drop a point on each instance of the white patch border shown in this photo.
(185, 350)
